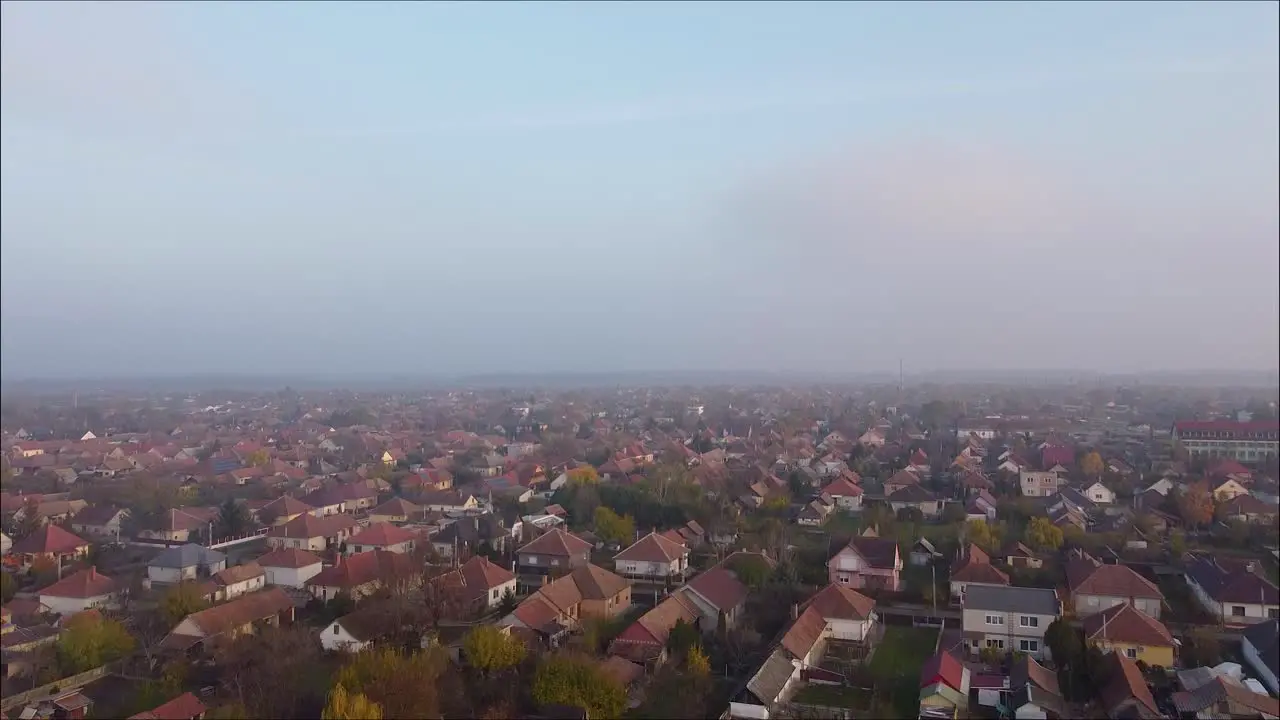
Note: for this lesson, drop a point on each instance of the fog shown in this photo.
(500, 188)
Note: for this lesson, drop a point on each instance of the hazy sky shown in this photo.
(329, 187)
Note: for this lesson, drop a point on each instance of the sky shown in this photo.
(275, 188)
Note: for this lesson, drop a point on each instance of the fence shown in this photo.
(52, 689)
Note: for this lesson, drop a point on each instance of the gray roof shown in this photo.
(772, 676)
(1036, 601)
(1265, 638)
(189, 555)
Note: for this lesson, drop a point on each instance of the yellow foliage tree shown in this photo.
(258, 458)
(982, 533)
(585, 475)
(697, 662)
(1092, 465)
(613, 527)
(489, 648)
(343, 705)
(1043, 534)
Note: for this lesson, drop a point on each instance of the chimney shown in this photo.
(795, 611)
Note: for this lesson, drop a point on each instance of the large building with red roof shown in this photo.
(1249, 442)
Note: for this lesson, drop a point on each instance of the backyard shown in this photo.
(895, 667)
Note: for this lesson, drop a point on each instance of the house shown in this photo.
(815, 512)
(1232, 591)
(363, 573)
(448, 501)
(312, 532)
(382, 536)
(1008, 619)
(356, 631)
(1260, 646)
(232, 582)
(1225, 697)
(845, 493)
(49, 543)
(1033, 691)
(1125, 694)
(1225, 488)
(719, 595)
(867, 562)
(230, 620)
(1038, 483)
(284, 509)
(982, 506)
(553, 551)
(1017, 555)
(179, 524)
(653, 558)
(99, 521)
(471, 534)
(290, 567)
(974, 568)
(184, 707)
(64, 705)
(1122, 629)
(79, 592)
(327, 500)
(395, 510)
(645, 640)
(899, 481)
(185, 562)
(918, 498)
(1099, 493)
(1249, 509)
(486, 582)
(559, 606)
(1094, 587)
(944, 683)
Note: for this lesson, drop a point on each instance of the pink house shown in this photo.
(867, 562)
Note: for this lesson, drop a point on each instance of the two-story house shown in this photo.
(1094, 587)
(1123, 629)
(1008, 619)
(653, 558)
(1038, 483)
(559, 606)
(555, 551)
(975, 568)
(867, 562)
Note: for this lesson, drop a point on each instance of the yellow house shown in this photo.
(1134, 634)
(387, 459)
(1228, 488)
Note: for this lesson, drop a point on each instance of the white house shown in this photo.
(844, 493)
(652, 557)
(1234, 593)
(187, 562)
(238, 580)
(290, 567)
(81, 591)
(1099, 493)
(354, 632)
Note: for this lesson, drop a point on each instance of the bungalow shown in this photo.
(1249, 509)
(645, 640)
(290, 567)
(1232, 591)
(1094, 587)
(230, 620)
(815, 512)
(845, 493)
(186, 562)
(899, 481)
(448, 501)
(311, 532)
(1099, 493)
(653, 558)
(718, 594)
(1121, 628)
(180, 524)
(867, 562)
(982, 506)
(918, 498)
(974, 568)
(49, 543)
(559, 606)
(357, 631)
(382, 536)
(471, 534)
(395, 510)
(1225, 488)
(284, 509)
(1033, 691)
(362, 574)
(1017, 555)
(232, 582)
(1260, 646)
(79, 592)
(485, 582)
(99, 521)
(944, 683)
(326, 501)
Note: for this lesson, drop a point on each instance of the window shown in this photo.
(1237, 610)
(1029, 621)
(1273, 613)
(1029, 646)
(336, 629)
(531, 559)
(994, 643)
(1093, 602)
(995, 619)
(555, 561)
(844, 579)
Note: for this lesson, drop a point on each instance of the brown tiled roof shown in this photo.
(596, 583)
(395, 507)
(308, 526)
(239, 573)
(804, 632)
(664, 616)
(84, 584)
(48, 539)
(841, 603)
(720, 587)
(183, 707)
(652, 548)
(1115, 581)
(536, 612)
(557, 543)
(624, 672)
(1125, 681)
(978, 569)
(880, 553)
(1124, 623)
(381, 535)
(289, 558)
(96, 515)
(479, 572)
(1026, 670)
(287, 505)
(562, 593)
(241, 611)
(366, 567)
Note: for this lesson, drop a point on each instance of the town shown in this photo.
(918, 550)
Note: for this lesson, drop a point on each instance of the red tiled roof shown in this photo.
(652, 548)
(804, 633)
(1116, 581)
(289, 558)
(841, 603)
(720, 587)
(183, 707)
(366, 567)
(1124, 623)
(557, 543)
(309, 526)
(841, 487)
(1125, 682)
(84, 584)
(943, 667)
(381, 535)
(479, 572)
(48, 539)
(241, 611)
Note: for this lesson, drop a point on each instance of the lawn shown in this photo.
(833, 696)
(896, 663)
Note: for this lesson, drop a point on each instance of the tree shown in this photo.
(1195, 505)
(277, 672)
(697, 662)
(343, 705)
(983, 534)
(584, 475)
(8, 587)
(403, 684)
(1043, 534)
(508, 603)
(233, 519)
(180, 601)
(91, 641)
(751, 570)
(681, 638)
(611, 527)
(1092, 465)
(258, 458)
(1177, 543)
(489, 648)
(954, 512)
(578, 681)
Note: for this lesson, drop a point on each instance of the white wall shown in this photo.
(848, 629)
(335, 637)
(235, 590)
(71, 606)
(1090, 604)
(170, 576)
(292, 577)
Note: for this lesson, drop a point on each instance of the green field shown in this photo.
(832, 696)
(896, 664)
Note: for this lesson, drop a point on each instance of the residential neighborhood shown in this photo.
(1052, 552)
